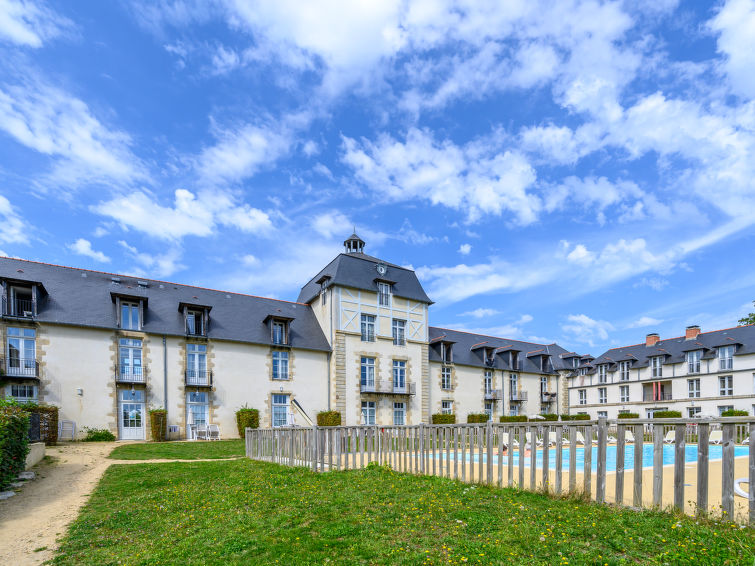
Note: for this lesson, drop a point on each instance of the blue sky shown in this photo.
(572, 171)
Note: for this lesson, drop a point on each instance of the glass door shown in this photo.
(131, 415)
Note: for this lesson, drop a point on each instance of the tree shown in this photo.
(749, 319)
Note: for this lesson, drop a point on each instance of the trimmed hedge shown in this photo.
(158, 422)
(247, 418)
(48, 421)
(514, 419)
(97, 435)
(14, 442)
(548, 417)
(667, 415)
(442, 418)
(734, 413)
(328, 418)
(477, 418)
(575, 417)
(629, 415)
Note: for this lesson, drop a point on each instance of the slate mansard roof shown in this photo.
(359, 271)
(82, 297)
(674, 350)
(469, 349)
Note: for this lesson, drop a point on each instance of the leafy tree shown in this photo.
(749, 319)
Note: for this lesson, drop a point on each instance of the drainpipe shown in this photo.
(165, 381)
(330, 354)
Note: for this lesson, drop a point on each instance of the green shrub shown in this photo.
(477, 418)
(629, 415)
(97, 435)
(514, 419)
(549, 417)
(667, 415)
(158, 422)
(575, 417)
(14, 442)
(48, 421)
(328, 418)
(442, 418)
(734, 413)
(247, 418)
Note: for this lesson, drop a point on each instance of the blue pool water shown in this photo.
(690, 455)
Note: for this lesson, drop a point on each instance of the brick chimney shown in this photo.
(652, 339)
(692, 332)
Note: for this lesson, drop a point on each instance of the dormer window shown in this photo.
(130, 316)
(656, 365)
(196, 318)
(602, 373)
(20, 298)
(725, 357)
(544, 363)
(194, 323)
(514, 360)
(489, 357)
(280, 332)
(384, 294)
(693, 361)
(446, 352)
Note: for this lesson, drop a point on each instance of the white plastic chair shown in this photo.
(213, 432)
(716, 437)
(670, 437)
(201, 432)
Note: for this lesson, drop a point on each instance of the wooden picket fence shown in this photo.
(486, 453)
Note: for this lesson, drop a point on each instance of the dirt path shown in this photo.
(41, 512)
(44, 508)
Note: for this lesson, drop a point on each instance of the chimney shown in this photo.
(652, 339)
(692, 332)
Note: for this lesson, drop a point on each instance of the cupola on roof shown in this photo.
(354, 244)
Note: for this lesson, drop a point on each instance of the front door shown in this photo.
(131, 415)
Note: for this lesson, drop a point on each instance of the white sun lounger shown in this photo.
(716, 437)
(507, 441)
(670, 437)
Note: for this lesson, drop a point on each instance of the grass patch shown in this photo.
(179, 450)
(246, 512)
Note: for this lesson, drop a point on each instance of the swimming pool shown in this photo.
(690, 455)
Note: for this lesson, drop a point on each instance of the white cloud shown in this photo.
(464, 249)
(30, 22)
(474, 178)
(190, 215)
(480, 313)
(581, 328)
(655, 283)
(84, 247)
(735, 24)
(50, 121)
(580, 255)
(331, 224)
(644, 321)
(154, 265)
(13, 228)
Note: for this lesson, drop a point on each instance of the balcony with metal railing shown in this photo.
(20, 367)
(518, 396)
(130, 374)
(18, 308)
(493, 395)
(649, 396)
(547, 396)
(198, 377)
(388, 388)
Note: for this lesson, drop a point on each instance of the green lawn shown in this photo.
(179, 450)
(246, 512)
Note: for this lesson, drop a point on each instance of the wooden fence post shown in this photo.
(422, 448)
(600, 490)
(727, 472)
(315, 447)
(679, 457)
(657, 465)
(620, 447)
(489, 440)
(703, 436)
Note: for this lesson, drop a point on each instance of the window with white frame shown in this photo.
(583, 371)
(693, 361)
(130, 316)
(398, 328)
(603, 414)
(447, 407)
(725, 357)
(196, 364)
(514, 410)
(445, 378)
(693, 386)
(280, 409)
(514, 384)
(368, 328)
(280, 332)
(624, 371)
(399, 375)
(624, 393)
(22, 393)
(723, 408)
(446, 353)
(197, 408)
(543, 384)
(21, 352)
(602, 373)
(384, 294)
(195, 323)
(399, 414)
(583, 396)
(693, 412)
(280, 364)
(367, 374)
(489, 410)
(130, 359)
(656, 363)
(602, 396)
(725, 385)
(368, 412)
(488, 382)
